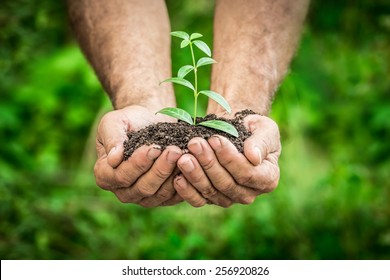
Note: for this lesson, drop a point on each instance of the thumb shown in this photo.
(265, 139)
(111, 135)
(115, 156)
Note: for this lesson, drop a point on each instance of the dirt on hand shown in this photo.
(165, 134)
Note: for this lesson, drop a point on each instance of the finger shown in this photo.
(156, 185)
(195, 175)
(176, 199)
(205, 156)
(221, 179)
(262, 177)
(233, 161)
(268, 174)
(128, 171)
(164, 193)
(265, 138)
(112, 132)
(148, 184)
(188, 192)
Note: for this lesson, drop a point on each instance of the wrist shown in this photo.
(241, 96)
(152, 97)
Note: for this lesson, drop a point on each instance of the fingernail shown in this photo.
(188, 165)
(179, 182)
(173, 156)
(216, 143)
(195, 148)
(153, 153)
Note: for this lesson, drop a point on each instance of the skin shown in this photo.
(253, 45)
(127, 43)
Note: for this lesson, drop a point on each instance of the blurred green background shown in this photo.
(333, 110)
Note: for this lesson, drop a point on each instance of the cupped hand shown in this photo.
(215, 172)
(146, 177)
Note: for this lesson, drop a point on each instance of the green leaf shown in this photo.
(184, 70)
(184, 43)
(180, 81)
(217, 98)
(221, 125)
(177, 113)
(205, 61)
(203, 47)
(195, 36)
(180, 34)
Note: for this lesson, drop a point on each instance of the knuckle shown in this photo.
(100, 183)
(273, 180)
(226, 204)
(122, 197)
(271, 186)
(198, 203)
(146, 204)
(209, 192)
(173, 201)
(228, 187)
(226, 160)
(145, 191)
(208, 163)
(100, 179)
(121, 179)
(141, 166)
(247, 199)
(165, 194)
(161, 174)
(196, 178)
(246, 179)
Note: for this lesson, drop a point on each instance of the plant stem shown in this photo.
(195, 82)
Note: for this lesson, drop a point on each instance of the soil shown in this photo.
(180, 133)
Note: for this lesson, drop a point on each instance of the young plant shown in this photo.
(191, 41)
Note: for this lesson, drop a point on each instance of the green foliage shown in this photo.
(183, 71)
(217, 98)
(220, 125)
(177, 113)
(332, 109)
(180, 81)
(202, 46)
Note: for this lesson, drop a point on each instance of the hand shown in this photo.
(215, 172)
(146, 177)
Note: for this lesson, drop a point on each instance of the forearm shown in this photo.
(254, 41)
(127, 43)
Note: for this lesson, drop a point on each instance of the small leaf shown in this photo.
(177, 113)
(180, 81)
(221, 125)
(203, 47)
(184, 70)
(184, 43)
(195, 36)
(217, 98)
(205, 61)
(180, 34)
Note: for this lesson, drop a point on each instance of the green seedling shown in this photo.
(191, 41)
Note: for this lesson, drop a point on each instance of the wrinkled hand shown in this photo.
(146, 177)
(215, 172)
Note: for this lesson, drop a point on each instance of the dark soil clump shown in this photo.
(180, 133)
